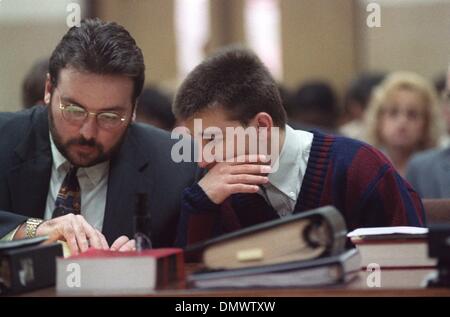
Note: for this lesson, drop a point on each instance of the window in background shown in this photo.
(263, 32)
(192, 33)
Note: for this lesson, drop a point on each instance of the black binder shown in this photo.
(312, 234)
(27, 265)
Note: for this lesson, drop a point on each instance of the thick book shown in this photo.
(319, 272)
(393, 247)
(114, 272)
(304, 236)
(27, 265)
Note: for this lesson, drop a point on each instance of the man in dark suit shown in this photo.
(72, 170)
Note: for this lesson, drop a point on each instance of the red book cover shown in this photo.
(120, 272)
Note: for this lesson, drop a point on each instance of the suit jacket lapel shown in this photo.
(29, 179)
(125, 181)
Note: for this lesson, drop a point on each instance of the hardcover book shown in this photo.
(114, 272)
(305, 236)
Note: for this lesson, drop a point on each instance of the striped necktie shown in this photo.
(69, 196)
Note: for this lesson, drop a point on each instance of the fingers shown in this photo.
(120, 241)
(103, 241)
(129, 246)
(250, 169)
(247, 179)
(80, 233)
(94, 236)
(216, 183)
(242, 188)
(77, 232)
(68, 233)
(250, 158)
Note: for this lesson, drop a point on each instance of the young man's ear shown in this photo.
(263, 120)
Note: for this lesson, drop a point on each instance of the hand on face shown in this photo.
(243, 174)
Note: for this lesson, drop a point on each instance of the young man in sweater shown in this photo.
(233, 89)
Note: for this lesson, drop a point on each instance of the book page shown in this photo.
(383, 231)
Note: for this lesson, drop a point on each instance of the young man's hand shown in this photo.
(243, 175)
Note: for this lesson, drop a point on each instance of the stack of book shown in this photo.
(393, 247)
(301, 250)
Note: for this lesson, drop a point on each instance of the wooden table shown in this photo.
(394, 282)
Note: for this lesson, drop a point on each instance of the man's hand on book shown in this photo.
(78, 234)
(123, 244)
(75, 230)
(241, 175)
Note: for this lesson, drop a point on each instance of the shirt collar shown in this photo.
(95, 173)
(286, 178)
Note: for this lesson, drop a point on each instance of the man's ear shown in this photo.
(263, 120)
(48, 90)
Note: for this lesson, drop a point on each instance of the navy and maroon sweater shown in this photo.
(352, 176)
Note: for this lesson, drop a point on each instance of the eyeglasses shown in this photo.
(77, 115)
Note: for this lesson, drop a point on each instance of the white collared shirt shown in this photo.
(285, 183)
(93, 186)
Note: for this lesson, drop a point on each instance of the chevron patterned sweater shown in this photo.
(353, 176)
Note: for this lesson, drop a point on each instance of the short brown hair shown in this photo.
(235, 79)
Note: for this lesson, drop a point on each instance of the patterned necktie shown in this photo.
(69, 196)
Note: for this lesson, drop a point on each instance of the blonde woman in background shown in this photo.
(403, 117)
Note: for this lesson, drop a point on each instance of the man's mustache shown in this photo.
(85, 142)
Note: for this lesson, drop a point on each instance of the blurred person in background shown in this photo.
(356, 100)
(155, 108)
(33, 86)
(429, 171)
(440, 83)
(403, 117)
(314, 105)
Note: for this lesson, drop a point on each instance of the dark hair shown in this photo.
(361, 87)
(315, 103)
(440, 83)
(315, 96)
(235, 79)
(101, 48)
(33, 86)
(155, 105)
